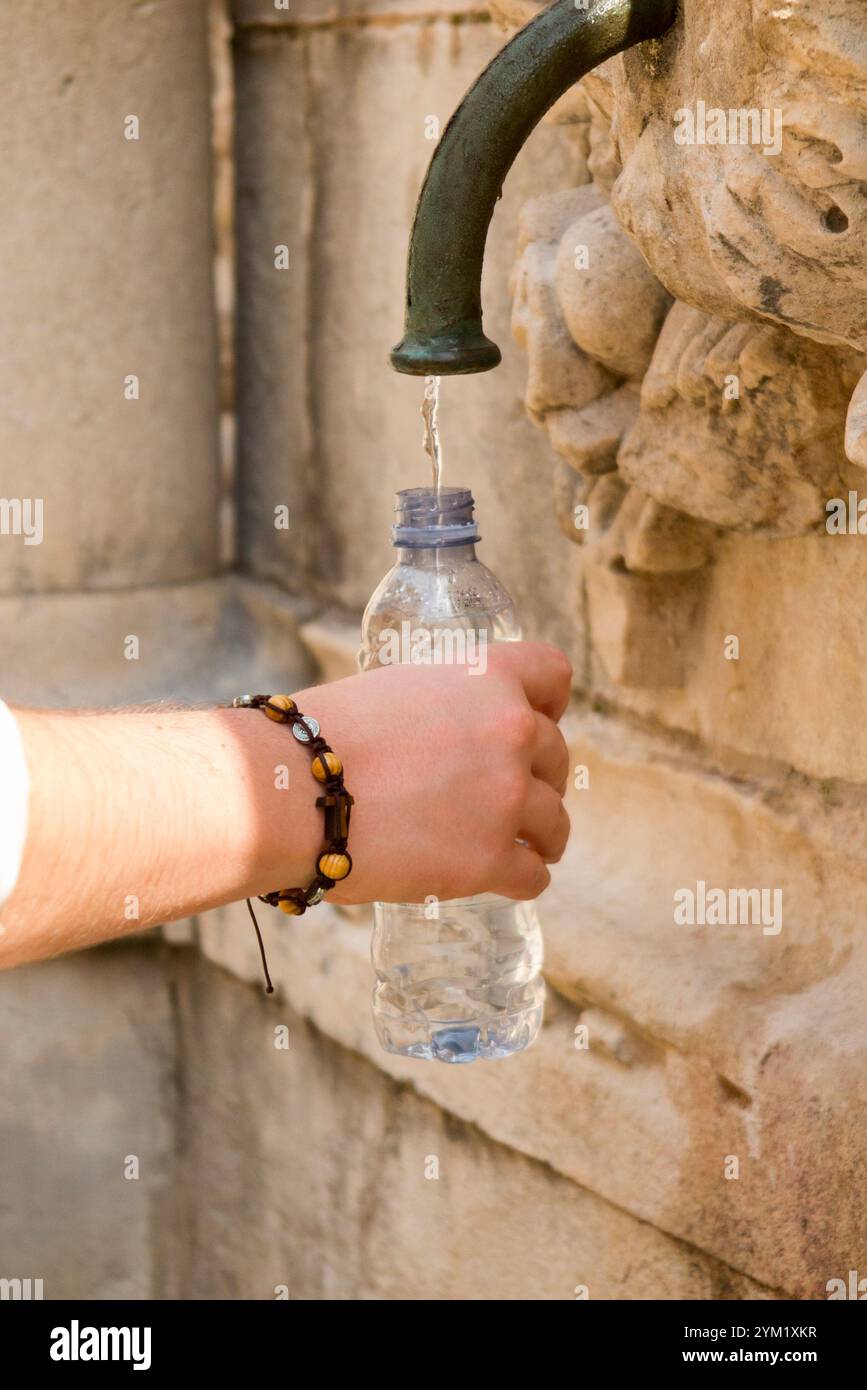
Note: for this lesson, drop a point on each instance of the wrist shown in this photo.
(276, 797)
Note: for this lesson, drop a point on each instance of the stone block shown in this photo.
(641, 623)
(802, 656)
(198, 643)
(105, 274)
(89, 1084)
(307, 1168)
(288, 14)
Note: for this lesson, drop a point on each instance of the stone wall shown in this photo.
(706, 1142)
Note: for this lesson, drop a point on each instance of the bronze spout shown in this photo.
(443, 334)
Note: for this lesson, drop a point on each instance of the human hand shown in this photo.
(449, 772)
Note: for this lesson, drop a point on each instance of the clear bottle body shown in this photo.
(458, 980)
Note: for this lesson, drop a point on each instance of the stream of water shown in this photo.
(430, 407)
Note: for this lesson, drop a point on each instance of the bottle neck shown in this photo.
(434, 557)
(429, 521)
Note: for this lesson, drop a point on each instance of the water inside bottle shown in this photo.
(457, 981)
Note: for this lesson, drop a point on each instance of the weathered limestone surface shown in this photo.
(105, 268)
(273, 209)
(307, 1168)
(726, 227)
(796, 691)
(196, 642)
(89, 1078)
(288, 14)
(738, 407)
(763, 463)
(698, 449)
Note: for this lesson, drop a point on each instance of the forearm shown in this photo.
(142, 817)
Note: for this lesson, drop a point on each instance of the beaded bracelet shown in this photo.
(334, 862)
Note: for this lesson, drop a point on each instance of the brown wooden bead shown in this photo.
(290, 907)
(334, 866)
(285, 706)
(332, 766)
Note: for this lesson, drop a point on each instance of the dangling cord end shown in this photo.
(269, 988)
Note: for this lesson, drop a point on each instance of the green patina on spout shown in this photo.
(443, 335)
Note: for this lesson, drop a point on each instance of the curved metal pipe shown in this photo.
(443, 334)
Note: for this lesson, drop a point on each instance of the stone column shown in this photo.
(107, 333)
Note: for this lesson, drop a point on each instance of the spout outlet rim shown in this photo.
(445, 354)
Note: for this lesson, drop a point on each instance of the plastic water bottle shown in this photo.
(461, 979)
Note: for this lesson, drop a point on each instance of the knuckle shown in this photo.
(562, 664)
(560, 847)
(516, 728)
(539, 880)
(564, 761)
(564, 830)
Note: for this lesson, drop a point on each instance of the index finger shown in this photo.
(543, 670)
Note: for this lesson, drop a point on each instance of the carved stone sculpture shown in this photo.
(694, 314)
